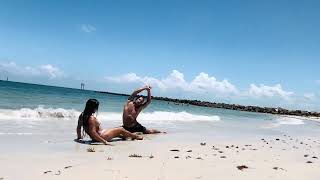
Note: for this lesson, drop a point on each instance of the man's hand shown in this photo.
(148, 87)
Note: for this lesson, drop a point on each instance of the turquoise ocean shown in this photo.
(28, 110)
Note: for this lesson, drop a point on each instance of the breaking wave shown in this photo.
(40, 113)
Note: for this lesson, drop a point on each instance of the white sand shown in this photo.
(286, 154)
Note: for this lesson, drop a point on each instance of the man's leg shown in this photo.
(152, 131)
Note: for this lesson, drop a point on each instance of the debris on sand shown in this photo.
(223, 157)
(242, 167)
(46, 172)
(109, 158)
(203, 144)
(67, 167)
(199, 158)
(175, 150)
(314, 157)
(189, 151)
(277, 168)
(151, 156)
(58, 173)
(91, 149)
(306, 155)
(176, 157)
(309, 162)
(135, 156)
(188, 157)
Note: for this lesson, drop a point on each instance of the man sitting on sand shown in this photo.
(135, 104)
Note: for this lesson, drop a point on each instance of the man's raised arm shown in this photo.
(148, 98)
(136, 92)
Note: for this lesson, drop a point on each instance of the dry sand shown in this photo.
(282, 158)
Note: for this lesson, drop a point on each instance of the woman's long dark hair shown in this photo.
(92, 106)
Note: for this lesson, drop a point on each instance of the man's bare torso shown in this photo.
(130, 114)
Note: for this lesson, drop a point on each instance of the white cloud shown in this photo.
(52, 71)
(43, 70)
(200, 84)
(309, 96)
(88, 28)
(203, 82)
(269, 91)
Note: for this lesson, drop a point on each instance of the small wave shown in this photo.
(20, 134)
(40, 113)
(161, 116)
(285, 120)
(290, 121)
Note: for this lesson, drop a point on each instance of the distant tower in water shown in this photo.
(7, 78)
(82, 86)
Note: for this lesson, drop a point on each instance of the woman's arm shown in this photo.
(80, 123)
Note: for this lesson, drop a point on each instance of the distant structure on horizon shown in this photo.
(7, 78)
(82, 86)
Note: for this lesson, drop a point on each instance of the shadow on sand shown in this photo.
(91, 142)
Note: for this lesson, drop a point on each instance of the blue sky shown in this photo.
(245, 49)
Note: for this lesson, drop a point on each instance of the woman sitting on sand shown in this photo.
(92, 126)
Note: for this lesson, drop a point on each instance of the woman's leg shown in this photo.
(108, 135)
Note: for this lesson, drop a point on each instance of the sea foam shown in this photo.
(40, 113)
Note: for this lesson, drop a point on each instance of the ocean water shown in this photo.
(28, 110)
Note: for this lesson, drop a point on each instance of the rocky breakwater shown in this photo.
(279, 110)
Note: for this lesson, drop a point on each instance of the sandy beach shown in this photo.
(156, 157)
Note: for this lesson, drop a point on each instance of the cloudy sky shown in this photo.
(249, 52)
